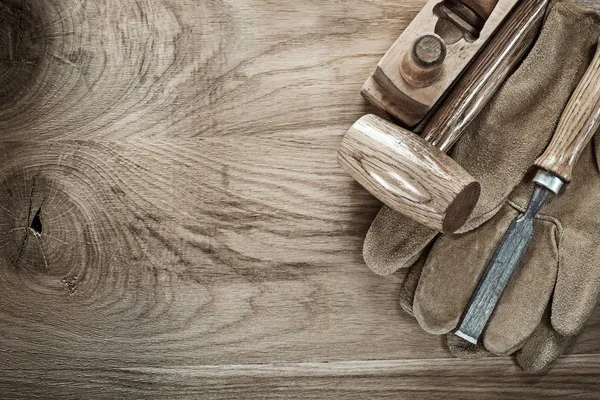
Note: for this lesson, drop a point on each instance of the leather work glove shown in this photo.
(555, 288)
(498, 150)
(551, 295)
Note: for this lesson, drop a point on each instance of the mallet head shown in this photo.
(408, 174)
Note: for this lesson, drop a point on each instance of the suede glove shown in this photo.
(551, 295)
(541, 349)
(498, 150)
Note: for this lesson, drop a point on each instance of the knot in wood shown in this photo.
(44, 231)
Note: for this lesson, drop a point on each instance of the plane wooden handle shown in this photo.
(487, 73)
(577, 126)
(482, 8)
(408, 174)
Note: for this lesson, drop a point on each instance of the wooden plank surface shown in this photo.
(489, 379)
(194, 234)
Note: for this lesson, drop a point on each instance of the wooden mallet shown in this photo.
(412, 174)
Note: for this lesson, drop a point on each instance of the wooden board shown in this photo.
(196, 237)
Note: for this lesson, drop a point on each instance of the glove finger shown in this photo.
(452, 271)
(394, 241)
(456, 264)
(409, 286)
(543, 348)
(460, 348)
(527, 295)
(540, 350)
(578, 281)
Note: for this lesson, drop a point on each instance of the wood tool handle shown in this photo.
(577, 126)
(482, 8)
(486, 74)
(424, 64)
(408, 174)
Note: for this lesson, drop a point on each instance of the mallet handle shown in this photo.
(577, 126)
(487, 73)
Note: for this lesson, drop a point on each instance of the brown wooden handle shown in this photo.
(482, 8)
(487, 73)
(408, 174)
(577, 126)
(424, 64)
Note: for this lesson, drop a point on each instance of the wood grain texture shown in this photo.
(486, 74)
(577, 126)
(408, 174)
(196, 237)
(424, 64)
(482, 8)
(490, 379)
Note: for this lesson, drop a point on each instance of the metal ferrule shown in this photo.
(549, 181)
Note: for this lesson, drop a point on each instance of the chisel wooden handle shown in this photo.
(578, 124)
(487, 73)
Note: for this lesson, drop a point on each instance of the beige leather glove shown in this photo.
(498, 150)
(555, 289)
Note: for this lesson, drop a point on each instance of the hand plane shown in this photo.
(412, 174)
(431, 54)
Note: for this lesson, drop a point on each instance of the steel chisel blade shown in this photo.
(500, 269)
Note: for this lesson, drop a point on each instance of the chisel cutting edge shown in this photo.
(577, 126)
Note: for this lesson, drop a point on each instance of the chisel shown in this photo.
(578, 124)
